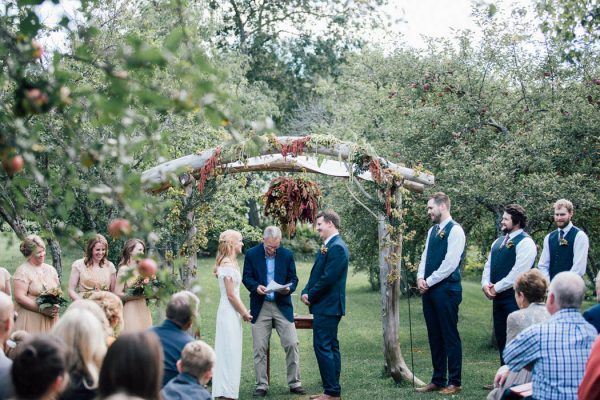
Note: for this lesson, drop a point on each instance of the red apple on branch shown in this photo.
(118, 227)
(147, 267)
(13, 164)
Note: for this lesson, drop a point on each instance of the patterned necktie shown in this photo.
(437, 229)
(506, 237)
(561, 234)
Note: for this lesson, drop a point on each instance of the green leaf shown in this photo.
(173, 40)
(30, 24)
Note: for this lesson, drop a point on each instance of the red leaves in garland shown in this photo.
(291, 200)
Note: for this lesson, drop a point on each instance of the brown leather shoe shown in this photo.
(315, 396)
(430, 387)
(488, 387)
(450, 389)
(327, 397)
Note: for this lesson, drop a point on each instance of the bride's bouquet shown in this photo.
(50, 298)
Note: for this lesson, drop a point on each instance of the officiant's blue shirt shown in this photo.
(270, 276)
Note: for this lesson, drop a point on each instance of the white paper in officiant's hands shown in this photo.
(276, 287)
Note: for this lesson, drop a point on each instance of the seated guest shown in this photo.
(98, 312)
(7, 315)
(83, 334)
(592, 315)
(182, 309)
(14, 343)
(589, 389)
(556, 349)
(112, 306)
(195, 371)
(39, 371)
(132, 366)
(530, 291)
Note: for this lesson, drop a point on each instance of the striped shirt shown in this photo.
(558, 350)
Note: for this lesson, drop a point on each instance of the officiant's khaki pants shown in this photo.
(270, 317)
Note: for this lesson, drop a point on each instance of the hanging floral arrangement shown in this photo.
(291, 200)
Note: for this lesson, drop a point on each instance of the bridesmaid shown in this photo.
(5, 281)
(93, 272)
(136, 314)
(31, 279)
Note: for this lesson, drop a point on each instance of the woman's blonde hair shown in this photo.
(89, 250)
(128, 249)
(112, 306)
(83, 333)
(30, 244)
(96, 310)
(227, 245)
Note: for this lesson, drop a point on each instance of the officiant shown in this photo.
(264, 264)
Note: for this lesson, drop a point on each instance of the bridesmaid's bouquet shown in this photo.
(145, 286)
(50, 298)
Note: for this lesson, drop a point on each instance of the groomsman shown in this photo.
(566, 248)
(438, 280)
(325, 295)
(509, 256)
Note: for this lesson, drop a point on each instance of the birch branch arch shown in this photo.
(329, 156)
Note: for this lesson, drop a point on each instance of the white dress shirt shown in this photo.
(526, 252)
(581, 246)
(456, 247)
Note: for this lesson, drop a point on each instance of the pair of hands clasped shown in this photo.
(50, 311)
(489, 290)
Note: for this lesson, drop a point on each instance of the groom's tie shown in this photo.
(504, 241)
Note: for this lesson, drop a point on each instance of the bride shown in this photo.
(228, 339)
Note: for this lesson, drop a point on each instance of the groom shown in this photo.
(325, 295)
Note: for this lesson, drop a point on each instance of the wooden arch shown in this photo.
(307, 154)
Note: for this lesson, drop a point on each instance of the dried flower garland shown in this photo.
(291, 200)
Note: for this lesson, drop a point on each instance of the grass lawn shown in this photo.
(360, 337)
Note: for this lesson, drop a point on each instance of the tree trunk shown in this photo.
(56, 252)
(389, 277)
(14, 221)
(188, 271)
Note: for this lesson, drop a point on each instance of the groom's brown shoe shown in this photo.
(430, 387)
(315, 396)
(451, 389)
(326, 397)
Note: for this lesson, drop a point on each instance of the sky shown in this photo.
(434, 18)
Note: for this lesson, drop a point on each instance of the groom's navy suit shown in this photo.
(326, 290)
(255, 274)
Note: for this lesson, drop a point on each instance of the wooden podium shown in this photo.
(301, 322)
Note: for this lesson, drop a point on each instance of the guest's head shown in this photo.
(40, 369)
(96, 310)
(133, 365)
(33, 249)
(96, 251)
(197, 359)
(82, 332)
(566, 291)
(271, 239)
(530, 287)
(328, 223)
(438, 207)
(514, 218)
(131, 249)
(7, 317)
(230, 245)
(112, 306)
(15, 341)
(182, 309)
(563, 212)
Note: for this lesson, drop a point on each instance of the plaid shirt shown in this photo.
(558, 350)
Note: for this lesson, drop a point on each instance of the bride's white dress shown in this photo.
(228, 340)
